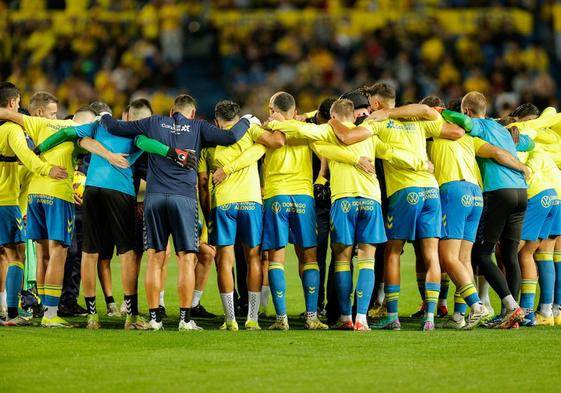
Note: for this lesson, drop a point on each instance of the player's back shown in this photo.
(288, 170)
(63, 155)
(9, 177)
(103, 174)
(409, 136)
(544, 172)
(455, 160)
(496, 176)
(239, 186)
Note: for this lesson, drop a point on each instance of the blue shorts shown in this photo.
(11, 225)
(175, 215)
(50, 218)
(462, 206)
(289, 218)
(539, 216)
(357, 221)
(556, 226)
(242, 218)
(414, 213)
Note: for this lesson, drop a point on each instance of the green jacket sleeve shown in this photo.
(61, 136)
(458, 118)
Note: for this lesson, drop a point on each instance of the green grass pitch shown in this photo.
(112, 360)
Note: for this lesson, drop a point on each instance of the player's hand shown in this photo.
(527, 173)
(119, 160)
(379, 115)
(430, 167)
(58, 173)
(366, 164)
(77, 200)
(218, 176)
(185, 158)
(252, 119)
(439, 109)
(300, 117)
(515, 134)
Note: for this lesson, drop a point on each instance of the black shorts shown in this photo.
(107, 213)
(139, 230)
(503, 215)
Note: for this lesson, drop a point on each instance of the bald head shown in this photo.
(84, 115)
(283, 103)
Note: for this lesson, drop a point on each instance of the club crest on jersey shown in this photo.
(413, 198)
(546, 201)
(345, 206)
(276, 207)
(467, 200)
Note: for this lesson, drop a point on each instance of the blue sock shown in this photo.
(432, 290)
(557, 266)
(277, 282)
(310, 281)
(392, 299)
(544, 260)
(344, 286)
(528, 294)
(364, 285)
(14, 282)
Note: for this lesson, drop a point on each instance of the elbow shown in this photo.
(278, 142)
(429, 113)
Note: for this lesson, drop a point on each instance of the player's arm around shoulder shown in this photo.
(349, 135)
(272, 140)
(501, 156)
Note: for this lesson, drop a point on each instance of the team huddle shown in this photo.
(466, 190)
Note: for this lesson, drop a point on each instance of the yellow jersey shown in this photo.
(13, 145)
(25, 176)
(455, 160)
(288, 170)
(63, 155)
(242, 185)
(409, 136)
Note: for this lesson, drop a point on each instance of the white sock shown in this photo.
(3, 301)
(346, 318)
(509, 303)
(311, 315)
(228, 306)
(282, 318)
(51, 312)
(162, 303)
(380, 294)
(265, 292)
(556, 310)
(253, 306)
(483, 290)
(361, 318)
(196, 298)
(546, 310)
(429, 316)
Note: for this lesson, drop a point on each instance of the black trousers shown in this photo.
(322, 217)
(71, 283)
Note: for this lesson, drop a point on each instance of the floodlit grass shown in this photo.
(35, 359)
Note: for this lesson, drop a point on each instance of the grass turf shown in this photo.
(298, 360)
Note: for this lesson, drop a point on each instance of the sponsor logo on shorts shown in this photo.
(19, 223)
(69, 225)
(389, 223)
(467, 200)
(345, 206)
(413, 198)
(225, 206)
(546, 201)
(42, 199)
(478, 201)
(276, 207)
(245, 206)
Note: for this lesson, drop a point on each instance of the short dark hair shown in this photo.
(8, 91)
(325, 107)
(455, 105)
(358, 98)
(184, 100)
(97, 107)
(432, 101)
(524, 110)
(284, 102)
(382, 89)
(226, 110)
(139, 103)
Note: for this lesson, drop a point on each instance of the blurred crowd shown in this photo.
(115, 51)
